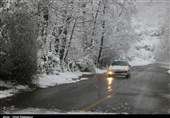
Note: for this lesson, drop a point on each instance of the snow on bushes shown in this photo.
(143, 50)
(85, 64)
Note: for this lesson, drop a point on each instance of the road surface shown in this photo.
(146, 91)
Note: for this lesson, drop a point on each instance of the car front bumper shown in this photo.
(119, 73)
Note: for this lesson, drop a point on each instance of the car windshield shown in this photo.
(120, 63)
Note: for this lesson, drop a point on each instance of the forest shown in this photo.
(49, 36)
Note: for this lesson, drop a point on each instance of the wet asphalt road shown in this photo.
(147, 91)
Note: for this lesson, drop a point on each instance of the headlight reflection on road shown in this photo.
(109, 82)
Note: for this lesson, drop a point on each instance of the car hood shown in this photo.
(118, 67)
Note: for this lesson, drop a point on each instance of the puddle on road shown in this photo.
(105, 86)
(109, 82)
(111, 88)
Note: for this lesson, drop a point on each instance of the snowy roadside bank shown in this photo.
(8, 89)
(100, 71)
(165, 65)
(169, 71)
(45, 81)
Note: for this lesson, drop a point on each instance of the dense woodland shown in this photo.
(49, 36)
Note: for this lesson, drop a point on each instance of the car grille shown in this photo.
(117, 72)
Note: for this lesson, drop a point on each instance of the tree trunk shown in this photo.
(71, 37)
(62, 48)
(102, 38)
(43, 25)
(94, 24)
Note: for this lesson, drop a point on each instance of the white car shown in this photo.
(119, 68)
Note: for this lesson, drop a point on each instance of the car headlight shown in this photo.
(110, 72)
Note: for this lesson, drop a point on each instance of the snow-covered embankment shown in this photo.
(8, 89)
(45, 81)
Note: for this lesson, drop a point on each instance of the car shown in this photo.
(119, 68)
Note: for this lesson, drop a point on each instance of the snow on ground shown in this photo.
(45, 81)
(100, 71)
(165, 65)
(5, 84)
(7, 93)
(169, 71)
(10, 89)
(52, 111)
